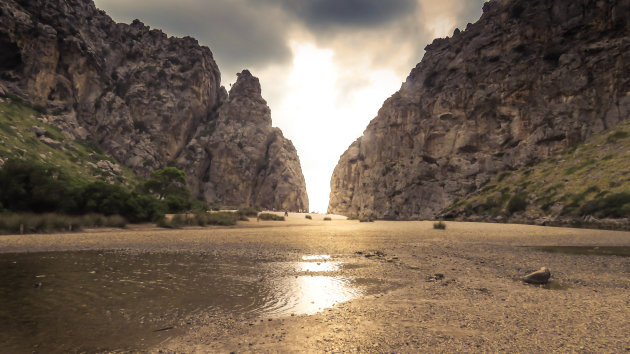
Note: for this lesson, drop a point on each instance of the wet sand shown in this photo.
(477, 304)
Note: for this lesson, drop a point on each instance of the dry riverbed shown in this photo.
(422, 289)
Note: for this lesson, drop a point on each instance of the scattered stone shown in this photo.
(164, 329)
(435, 277)
(540, 276)
(109, 167)
(51, 142)
(39, 131)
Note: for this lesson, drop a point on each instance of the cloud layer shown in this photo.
(327, 15)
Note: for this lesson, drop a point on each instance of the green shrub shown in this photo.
(162, 222)
(616, 136)
(177, 221)
(327, 218)
(308, 217)
(50, 222)
(269, 216)
(248, 211)
(572, 170)
(178, 204)
(28, 186)
(439, 225)
(224, 218)
(608, 206)
(503, 176)
(116, 221)
(517, 203)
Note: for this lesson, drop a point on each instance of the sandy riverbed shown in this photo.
(478, 305)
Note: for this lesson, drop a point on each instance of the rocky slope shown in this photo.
(525, 82)
(145, 98)
(588, 184)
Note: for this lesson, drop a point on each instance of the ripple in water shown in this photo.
(106, 301)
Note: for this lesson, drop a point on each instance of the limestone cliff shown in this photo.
(240, 158)
(145, 98)
(526, 81)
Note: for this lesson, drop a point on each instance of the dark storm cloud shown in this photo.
(323, 14)
(240, 35)
(255, 33)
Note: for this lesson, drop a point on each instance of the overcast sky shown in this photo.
(325, 66)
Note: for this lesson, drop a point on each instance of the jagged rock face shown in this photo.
(242, 158)
(526, 81)
(135, 92)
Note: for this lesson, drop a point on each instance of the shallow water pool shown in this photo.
(108, 301)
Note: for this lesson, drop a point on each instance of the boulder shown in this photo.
(39, 131)
(51, 142)
(540, 276)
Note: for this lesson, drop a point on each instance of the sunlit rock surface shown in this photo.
(148, 100)
(526, 81)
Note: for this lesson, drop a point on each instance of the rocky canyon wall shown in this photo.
(526, 81)
(148, 100)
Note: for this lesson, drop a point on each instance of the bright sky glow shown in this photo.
(321, 120)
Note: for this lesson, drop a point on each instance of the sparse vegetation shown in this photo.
(49, 222)
(610, 206)
(517, 203)
(249, 211)
(308, 217)
(223, 218)
(616, 136)
(269, 216)
(366, 219)
(588, 179)
(327, 218)
(18, 141)
(32, 187)
(439, 225)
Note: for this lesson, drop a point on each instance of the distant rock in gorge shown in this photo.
(528, 80)
(148, 100)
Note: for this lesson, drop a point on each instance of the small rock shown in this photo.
(540, 276)
(50, 142)
(435, 277)
(39, 131)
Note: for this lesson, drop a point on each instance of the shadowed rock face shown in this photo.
(526, 81)
(145, 98)
(245, 160)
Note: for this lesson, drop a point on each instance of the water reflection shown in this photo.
(108, 301)
(309, 295)
(318, 267)
(316, 257)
